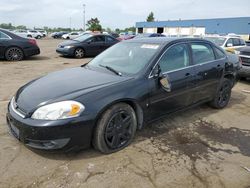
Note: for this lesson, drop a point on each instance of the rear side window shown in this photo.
(236, 42)
(229, 41)
(110, 39)
(3, 36)
(174, 58)
(242, 42)
(202, 53)
(219, 53)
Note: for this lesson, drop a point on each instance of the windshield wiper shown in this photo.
(111, 69)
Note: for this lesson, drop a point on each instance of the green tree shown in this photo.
(151, 17)
(94, 25)
(7, 26)
(21, 27)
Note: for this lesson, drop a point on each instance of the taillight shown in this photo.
(32, 41)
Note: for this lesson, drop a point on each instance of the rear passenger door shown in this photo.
(209, 70)
(4, 40)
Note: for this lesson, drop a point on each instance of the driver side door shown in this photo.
(175, 65)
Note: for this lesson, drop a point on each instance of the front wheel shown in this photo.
(14, 54)
(79, 53)
(115, 129)
(223, 95)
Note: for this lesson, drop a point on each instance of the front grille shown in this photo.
(245, 53)
(245, 61)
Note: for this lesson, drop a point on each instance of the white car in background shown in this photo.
(229, 43)
(71, 35)
(35, 34)
(29, 33)
(43, 32)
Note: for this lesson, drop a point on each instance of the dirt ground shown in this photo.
(201, 147)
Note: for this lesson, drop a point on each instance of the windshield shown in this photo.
(128, 58)
(83, 37)
(217, 40)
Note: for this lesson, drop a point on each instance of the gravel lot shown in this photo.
(201, 147)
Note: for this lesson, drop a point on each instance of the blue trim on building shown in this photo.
(240, 25)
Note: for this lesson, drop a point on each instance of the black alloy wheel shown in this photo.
(223, 95)
(115, 128)
(14, 54)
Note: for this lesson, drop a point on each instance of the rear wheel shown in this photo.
(223, 95)
(79, 53)
(115, 129)
(14, 54)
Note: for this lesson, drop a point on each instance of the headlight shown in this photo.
(68, 47)
(237, 52)
(59, 110)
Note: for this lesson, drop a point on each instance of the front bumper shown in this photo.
(70, 134)
(65, 51)
(244, 71)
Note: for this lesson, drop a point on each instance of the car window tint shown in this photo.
(3, 36)
(174, 58)
(236, 42)
(242, 42)
(229, 41)
(202, 53)
(219, 53)
(99, 39)
(110, 39)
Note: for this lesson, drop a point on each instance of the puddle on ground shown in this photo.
(197, 140)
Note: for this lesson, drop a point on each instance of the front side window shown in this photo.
(242, 42)
(229, 43)
(176, 57)
(110, 39)
(202, 53)
(219, 53)
(3, 36)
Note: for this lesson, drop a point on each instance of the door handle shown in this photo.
(187, 74)
(218, 65)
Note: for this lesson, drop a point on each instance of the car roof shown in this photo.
(165, 40)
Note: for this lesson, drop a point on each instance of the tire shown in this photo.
(223, 95)
(29, 36)
(39, 37)
(115, 129)
(79, 53)
(67, 38)
(14, 54)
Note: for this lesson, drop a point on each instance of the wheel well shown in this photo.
(136, 107)
(230, 77)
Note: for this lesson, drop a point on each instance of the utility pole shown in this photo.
(84, 6)
(70, 23)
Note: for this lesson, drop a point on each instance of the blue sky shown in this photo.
(115, 13)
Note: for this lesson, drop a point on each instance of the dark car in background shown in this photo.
(16, 48)
(58, 35)
(86, 45)
(145, 35)
(130, 84)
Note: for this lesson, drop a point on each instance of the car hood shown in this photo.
(244, 49)
(68, 42)
(63, 85)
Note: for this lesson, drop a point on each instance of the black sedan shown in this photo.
(16, 48)
(130, 84)
(86, 45)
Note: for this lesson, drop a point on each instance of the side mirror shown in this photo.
(165, 83)
(229, 45)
